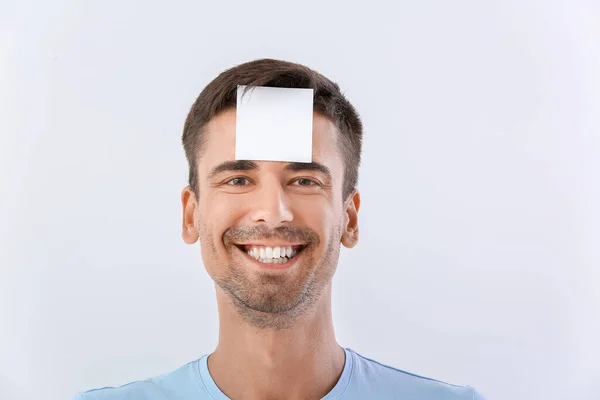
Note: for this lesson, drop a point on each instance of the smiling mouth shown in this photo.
(271, 255)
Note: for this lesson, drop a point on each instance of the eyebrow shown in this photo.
(235, 165)
(247, 165)
(311, 166)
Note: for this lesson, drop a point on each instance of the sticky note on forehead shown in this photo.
(274, 124)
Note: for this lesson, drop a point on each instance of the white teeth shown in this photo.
(276, 255)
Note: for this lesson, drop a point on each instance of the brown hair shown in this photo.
(221, 94)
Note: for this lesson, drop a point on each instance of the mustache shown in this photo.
(263, 232)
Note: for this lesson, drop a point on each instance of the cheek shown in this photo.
(210, 232)
(218, 213)
(205, 235)
(321, 218)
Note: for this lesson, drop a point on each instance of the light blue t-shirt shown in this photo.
(362, 378)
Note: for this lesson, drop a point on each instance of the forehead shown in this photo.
(220, 141)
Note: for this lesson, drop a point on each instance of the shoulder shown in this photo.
(384, 380)
(133, 390)
(182, 383)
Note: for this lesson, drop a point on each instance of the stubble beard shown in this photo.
(272, 301)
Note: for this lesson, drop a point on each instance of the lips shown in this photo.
(262, 252)
(249, 246)
(277, 257)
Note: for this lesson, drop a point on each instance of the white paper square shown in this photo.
(274, 124)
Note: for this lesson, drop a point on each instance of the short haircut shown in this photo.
(221, 94)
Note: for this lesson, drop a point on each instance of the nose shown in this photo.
(272, 204)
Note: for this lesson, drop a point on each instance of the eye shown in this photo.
(306, 182)
(239, 181)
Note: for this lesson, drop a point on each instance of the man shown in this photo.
(270, 234)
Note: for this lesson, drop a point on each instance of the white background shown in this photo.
(479, 256)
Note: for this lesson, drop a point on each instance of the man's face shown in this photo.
(270, 232)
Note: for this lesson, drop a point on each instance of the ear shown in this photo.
(188, 201)
(350, 228)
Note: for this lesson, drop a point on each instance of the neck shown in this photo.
(298, 362)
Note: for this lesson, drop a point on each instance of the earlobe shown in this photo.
(189, 232)
(350, 234)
